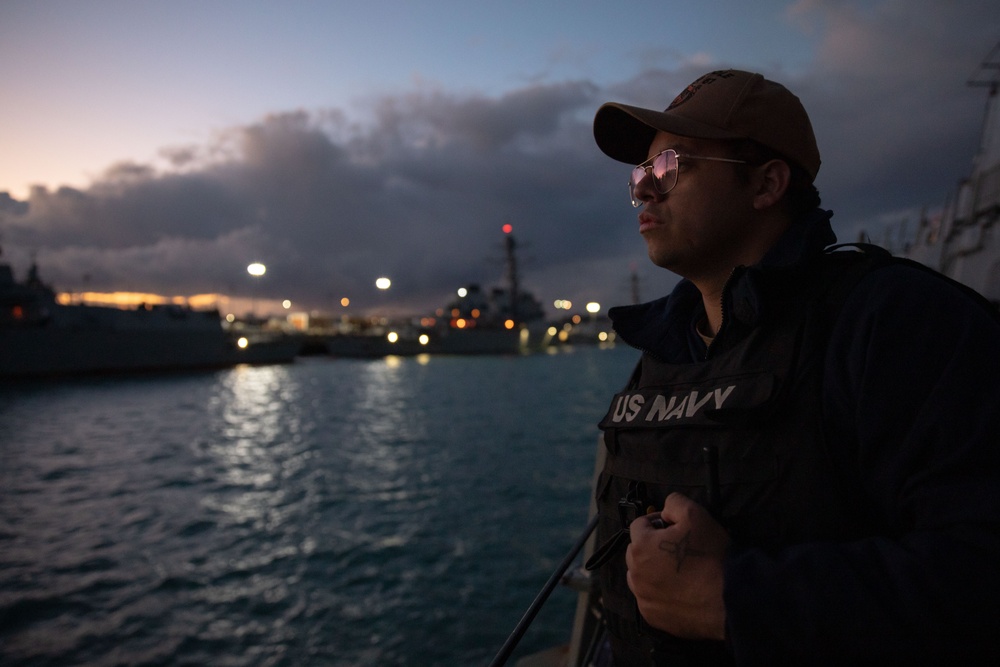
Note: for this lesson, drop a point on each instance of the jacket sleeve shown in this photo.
(912, 404)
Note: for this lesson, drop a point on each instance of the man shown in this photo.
(805, 466)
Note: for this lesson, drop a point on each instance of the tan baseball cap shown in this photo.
(726, 104)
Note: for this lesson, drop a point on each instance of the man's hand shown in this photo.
(676, 571)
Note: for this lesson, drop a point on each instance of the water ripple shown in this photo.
(325, 513)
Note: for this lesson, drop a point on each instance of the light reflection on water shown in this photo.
(402, 511)
(255, 450)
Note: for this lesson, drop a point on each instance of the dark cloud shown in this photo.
(12, 206)
(418, 189)
(896, 121)
(419, 193)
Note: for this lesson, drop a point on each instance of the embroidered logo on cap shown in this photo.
(689, 92)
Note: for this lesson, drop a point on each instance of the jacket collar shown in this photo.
(664, 327)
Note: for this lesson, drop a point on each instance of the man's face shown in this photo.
(700, 228)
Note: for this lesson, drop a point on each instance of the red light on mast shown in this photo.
(508, 228)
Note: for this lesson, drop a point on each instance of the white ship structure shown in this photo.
(963, 241)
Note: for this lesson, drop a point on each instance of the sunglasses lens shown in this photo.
(638, 173)
(662, 168)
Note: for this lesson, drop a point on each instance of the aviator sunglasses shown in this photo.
(662, 168)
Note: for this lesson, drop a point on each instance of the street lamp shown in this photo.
(593, 308)
(256, 270)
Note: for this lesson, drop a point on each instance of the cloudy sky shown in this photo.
(162, 146)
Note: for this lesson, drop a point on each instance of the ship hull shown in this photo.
(449, 341)
(78, 340)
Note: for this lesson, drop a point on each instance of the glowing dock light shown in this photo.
(393, 337)
(424, 339)
(242, 342)
(383, 283)
(256, 270)
(593, 307)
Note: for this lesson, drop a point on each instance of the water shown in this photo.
(328, 512)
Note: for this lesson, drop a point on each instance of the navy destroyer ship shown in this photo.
(503, 320)
(41, 337)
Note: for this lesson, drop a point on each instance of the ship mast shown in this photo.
(988, 76)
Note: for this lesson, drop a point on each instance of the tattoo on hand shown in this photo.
(680, 550)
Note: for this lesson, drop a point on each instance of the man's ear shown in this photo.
(771, 181)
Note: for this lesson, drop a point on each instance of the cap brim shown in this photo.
(624, 132)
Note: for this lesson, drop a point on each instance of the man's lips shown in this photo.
(646, 222)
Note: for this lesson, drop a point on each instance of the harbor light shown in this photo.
(286, 304)
(393, 337)
(462, 292)
(242, 342)
(383, 283)
(593, 307)
(424, 339)
(256, 270)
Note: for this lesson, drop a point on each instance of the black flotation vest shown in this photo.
(741, 433)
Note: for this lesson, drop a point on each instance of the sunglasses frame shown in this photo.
(647, 170)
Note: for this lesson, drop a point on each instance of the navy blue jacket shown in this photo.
(911, 400)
